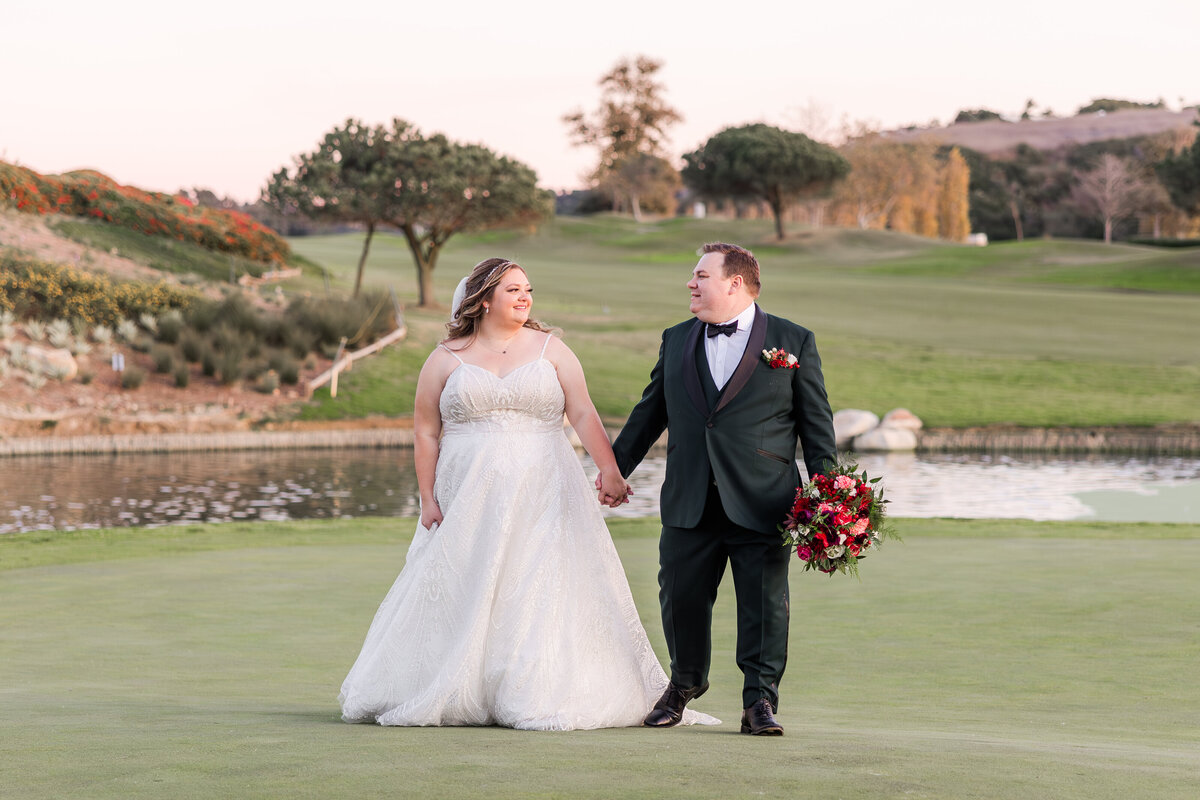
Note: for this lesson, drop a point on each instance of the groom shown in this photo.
(732, 423)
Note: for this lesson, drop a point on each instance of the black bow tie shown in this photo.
(716, 330)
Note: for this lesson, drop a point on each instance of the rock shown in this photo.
(902, 418)
(851, 422)
(886, 439)
(55, 362)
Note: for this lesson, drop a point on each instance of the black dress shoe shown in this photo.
(669, 708)
(759, 720)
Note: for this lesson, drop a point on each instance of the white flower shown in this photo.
(834, 552)
(791, 359)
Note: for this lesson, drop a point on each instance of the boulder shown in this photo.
(901, 418)
(851, 422)
(886, 439)
(54, 361)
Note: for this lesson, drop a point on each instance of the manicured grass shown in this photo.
(975, 659)
(962, 336)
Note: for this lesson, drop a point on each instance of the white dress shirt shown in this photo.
(724, 353)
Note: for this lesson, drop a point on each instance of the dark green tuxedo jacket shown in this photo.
(744, 437)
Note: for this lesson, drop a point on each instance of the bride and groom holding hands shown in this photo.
(513, 607)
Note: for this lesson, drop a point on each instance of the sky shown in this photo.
(222, 94)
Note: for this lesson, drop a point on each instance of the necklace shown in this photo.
(494, 350)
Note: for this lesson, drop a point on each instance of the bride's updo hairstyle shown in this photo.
(481, 283)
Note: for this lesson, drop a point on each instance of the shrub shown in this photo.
(289, 372)
(182, 376)
(142, 344)
(208, 362)
(268, 383)
(86, 377)
(170, 326)
(92, 195)
(102, 335)
(132, 377)
(361, 319)
(163, 358)
(191, 345)
(59, 333)
(229, 366)
(60, 291)
(35, 330)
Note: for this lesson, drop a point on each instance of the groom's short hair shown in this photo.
(738, 261)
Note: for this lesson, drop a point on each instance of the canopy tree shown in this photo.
(1180, 175)
(346, 179)
(766, 163)
(441, 188)
(430, 188)
(629, 131)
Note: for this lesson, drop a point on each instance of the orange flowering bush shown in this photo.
(90, 194)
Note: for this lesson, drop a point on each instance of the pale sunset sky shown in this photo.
(221, 94)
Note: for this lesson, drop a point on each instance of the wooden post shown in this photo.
(333, 378)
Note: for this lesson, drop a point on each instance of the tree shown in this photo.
(1113, 188)
(1110, 104)
(953, 212)
(1180, 176)
(429, 188)
(629, 126)
(766, 163)
(346, 179)
(442, 188)
(977, 115)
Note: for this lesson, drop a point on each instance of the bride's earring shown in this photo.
(487, 309)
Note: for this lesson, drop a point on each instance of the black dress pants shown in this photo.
(691, 564)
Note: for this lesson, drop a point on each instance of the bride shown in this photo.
(512, 608)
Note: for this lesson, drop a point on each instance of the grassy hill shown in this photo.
(996, 137)
(1035, 333)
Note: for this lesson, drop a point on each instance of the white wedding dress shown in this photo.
(515, 611)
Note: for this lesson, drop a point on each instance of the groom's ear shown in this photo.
(736, 284)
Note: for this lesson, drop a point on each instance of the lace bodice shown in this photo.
(528, 399)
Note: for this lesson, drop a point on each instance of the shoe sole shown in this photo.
(763, 732)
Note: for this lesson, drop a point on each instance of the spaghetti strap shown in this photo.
(451, 352)
(548, 335)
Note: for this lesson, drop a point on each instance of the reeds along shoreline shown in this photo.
(1166, 441)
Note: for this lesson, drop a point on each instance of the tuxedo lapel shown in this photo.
(691, 377)
(745, 367)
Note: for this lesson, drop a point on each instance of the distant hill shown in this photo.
(997, 137)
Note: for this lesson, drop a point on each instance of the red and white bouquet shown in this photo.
(836, 520)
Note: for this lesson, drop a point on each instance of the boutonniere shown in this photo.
(778, 358)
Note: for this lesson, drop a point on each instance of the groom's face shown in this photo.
(714, 297)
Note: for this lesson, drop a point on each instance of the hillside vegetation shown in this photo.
(995, 137)
(1033, 333)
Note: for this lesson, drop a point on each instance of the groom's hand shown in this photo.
(615, 492)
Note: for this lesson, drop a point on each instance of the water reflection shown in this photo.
(74, 492)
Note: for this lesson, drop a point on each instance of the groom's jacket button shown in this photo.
(710, 424)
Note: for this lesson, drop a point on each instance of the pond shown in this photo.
(74, 492)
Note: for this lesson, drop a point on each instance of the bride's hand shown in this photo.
(613, 489)
(431, 516)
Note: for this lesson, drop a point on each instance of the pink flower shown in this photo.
(859, 527)
(843, 482)
(824, 508)
(804, 553)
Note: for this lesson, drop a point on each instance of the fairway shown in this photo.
(990, 659)
(1037, 333)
